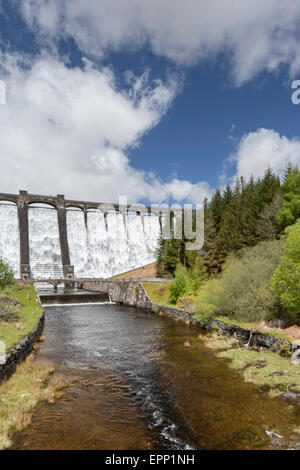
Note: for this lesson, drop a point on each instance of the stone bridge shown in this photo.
(69, 282)
(23, 200)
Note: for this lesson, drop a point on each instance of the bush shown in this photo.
(197, 275)
(180, 284)
(286, 279)
(243, 291)
(6, 274)
(206, 300)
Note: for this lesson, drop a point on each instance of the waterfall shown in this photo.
(247, 345)
(97, 251)
(44, 252)
(9, 236)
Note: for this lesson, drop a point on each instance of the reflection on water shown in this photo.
(136, 385)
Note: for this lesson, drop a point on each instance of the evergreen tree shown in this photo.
(240, 217)
(290, 210)
(216, 208)
(288, 169)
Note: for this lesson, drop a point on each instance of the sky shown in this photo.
(156, 101)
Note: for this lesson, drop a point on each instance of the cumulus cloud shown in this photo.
(68, 130)
(257, 35)
(263, 148)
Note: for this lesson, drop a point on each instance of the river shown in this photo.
(140, 381)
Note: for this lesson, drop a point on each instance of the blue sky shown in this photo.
(110, 98)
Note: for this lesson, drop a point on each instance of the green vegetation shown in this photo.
(158, 292)
(243, 291)
(241, 216)
(6, 274)
(32, 383)
(20, 301)
(180, 285)
(187, 281)
(290, 210)
(286, 279)
(263, 368)
(249, 267)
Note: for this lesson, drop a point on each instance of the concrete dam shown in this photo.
(44, 237)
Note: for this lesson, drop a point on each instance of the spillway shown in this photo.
(99, 246)
(44, 245)
(104, 248)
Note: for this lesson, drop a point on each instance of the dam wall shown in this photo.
(54, 237)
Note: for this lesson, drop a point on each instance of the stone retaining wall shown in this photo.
(20, 352)
(252, 338)
(133, 293)
(124, 291)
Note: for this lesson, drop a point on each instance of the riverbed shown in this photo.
(140, 381)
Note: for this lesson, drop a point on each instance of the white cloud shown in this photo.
(257, 35)
(263, 148)
(67, 130)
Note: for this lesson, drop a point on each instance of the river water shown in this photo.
(140, 381)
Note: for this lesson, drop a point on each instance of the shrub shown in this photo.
(180, 284)
(6, 274)
(206, 299)
(197, 275)
(286, 279)
(243, 291)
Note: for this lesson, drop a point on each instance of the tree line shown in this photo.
(239, 216)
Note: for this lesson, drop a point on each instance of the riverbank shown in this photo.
(261, 354)
(24, 383)
(20, 313)
(159, 295)
(32, 384)
(277, 375)
(142, 381)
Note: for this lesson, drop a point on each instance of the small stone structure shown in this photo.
(124, 291)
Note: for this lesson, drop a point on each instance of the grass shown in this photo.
(158, 292)
(139, 271)
(32, 383)
(123, 274)
(28, 312)
(263, 368)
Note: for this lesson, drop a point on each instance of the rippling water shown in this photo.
(134, 384)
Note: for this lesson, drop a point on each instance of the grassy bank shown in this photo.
(19, 313)
(32, 383)
(263, 368)
(158, 292)
(147, 271)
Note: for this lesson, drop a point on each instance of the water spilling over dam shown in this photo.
(100, 251)
(43, 241)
